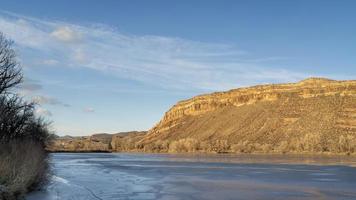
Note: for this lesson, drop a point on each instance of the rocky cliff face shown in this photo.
(265, 114)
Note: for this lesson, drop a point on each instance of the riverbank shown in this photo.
(220, 153)
(131, 143)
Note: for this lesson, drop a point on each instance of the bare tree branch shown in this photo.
(10, 70)
(17, 117)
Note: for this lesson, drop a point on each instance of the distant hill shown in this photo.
(314, 115)
(99, 142)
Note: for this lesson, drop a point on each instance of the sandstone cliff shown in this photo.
(313, 115)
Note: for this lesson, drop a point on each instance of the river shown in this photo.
(107, 176)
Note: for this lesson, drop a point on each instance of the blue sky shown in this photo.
(110, 66)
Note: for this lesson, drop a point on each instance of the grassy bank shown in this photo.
(23, 167)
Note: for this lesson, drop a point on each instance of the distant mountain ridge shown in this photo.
(99, 142)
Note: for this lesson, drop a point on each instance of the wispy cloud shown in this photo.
(164, 62)
(66, 34)
(89, 110)
(43, 100)
(32, 88)
(29, 86)
(50, 62)
(42, 112)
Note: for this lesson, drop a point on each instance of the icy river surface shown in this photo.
(107, 176)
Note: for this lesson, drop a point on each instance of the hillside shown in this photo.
(314, 115)
(102, 142)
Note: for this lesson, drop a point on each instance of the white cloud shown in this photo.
(50, 62)
(66, 34)
(89, 110)
(42, 112)
(164, 62)
(79, 56)
(42, 100)
(28, 86)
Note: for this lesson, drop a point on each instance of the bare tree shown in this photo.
(17, 117)
(10, 70)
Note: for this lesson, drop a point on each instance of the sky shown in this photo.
(111, 66)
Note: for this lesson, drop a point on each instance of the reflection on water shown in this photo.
(199, 176)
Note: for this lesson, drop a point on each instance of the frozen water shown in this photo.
(105, 176)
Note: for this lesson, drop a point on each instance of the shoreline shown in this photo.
(218, 153)
(268, 159)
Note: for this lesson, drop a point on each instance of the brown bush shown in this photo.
(311, 143)
(184, 145)
(206, 146)
(243, 147)
(221, 146)
(161, 146)
(283, 147)
(347, 144)
(23, 167)
(266, 148)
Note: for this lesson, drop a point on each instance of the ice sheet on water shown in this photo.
(60, 180)
(157, 176)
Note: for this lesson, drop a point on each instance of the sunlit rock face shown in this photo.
(264, 114)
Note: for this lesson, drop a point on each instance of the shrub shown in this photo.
(283, 147)
(347, 144)
(23, 167)
(221, 146)
(161, 146)
(243, 147)
(184, 145)
(237, 148)
(206, 146)
(266, 148)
